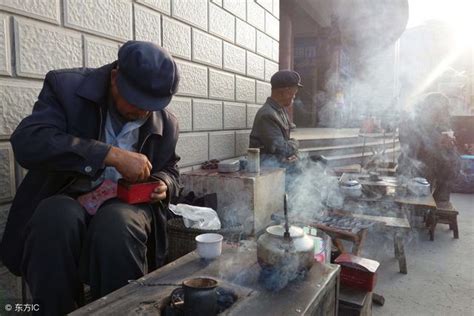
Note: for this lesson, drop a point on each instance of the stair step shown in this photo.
(348, 149)
(349, 159)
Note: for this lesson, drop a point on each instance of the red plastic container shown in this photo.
(357, 272)
(134, 193)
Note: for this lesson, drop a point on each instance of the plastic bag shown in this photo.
(197, 217)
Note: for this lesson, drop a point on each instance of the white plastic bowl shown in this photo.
(209, 246)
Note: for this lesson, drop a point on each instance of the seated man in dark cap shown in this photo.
(271, 127)
(90, 126)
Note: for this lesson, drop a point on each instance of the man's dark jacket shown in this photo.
(59, 144)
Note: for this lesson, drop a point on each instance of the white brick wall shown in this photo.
(245, 35)
(255, 66)
(241, 142)
(7, 173)
(5, 61)
(207, 114)
(255, 15)
(46, 10)
(207, 49)
(110, 18)
(225, 66)
(16, 101)
(195, 14)
(234, 58)
(221, 145)
(251, 112)
(234, 115)
(98, 52)
(177, 38)
(147, 25)
(193, 148)
(221, 85)
(40, 47)
(221, 23)
(193, 79)
(236, 7)
(159, 5)
(264, 90)
(244, 89)
(182, 109)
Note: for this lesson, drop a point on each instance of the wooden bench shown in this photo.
(445, 213)
(398, 225)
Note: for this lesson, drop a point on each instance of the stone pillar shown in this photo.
(286, 39)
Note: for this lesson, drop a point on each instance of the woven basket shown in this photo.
(181, 239)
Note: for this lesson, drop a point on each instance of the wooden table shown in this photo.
(317, 294)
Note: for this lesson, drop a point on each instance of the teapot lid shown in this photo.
(279, 230)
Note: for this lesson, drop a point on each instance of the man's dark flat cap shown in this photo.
(285, 78)
(147, 75)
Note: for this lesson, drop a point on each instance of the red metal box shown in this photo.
(357, 272)
(134, 193)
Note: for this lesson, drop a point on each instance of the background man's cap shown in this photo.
(285, 78)
(147, 75)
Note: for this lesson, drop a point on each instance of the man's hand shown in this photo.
(159, 193)
(132, 166)
(292, 158)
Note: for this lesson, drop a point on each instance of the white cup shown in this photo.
(209, 246)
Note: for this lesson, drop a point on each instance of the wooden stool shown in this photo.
(445, 213)
(357, 239)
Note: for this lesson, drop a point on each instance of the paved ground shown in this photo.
(440, 279)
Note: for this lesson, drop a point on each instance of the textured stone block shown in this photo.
(221, 85)
(193, 79)
(110, 18)
(193, 148)
(207, 114)
(276, 51)
(7, 173)
(264, 45)
(147, 25)
(160, 5)
(276, 8)
(255, 15)
(195, 14)
(46, 10)
(270, 69)
(16, 101)
(5, 61)
(251, 112)
(242, 198)
(244, 89)
(207, 49)
(234, 115)
(234, 58)
(264, 90)
(182, 108)
(266, 4)
(221, 23)
(241, 142)
(245, 35)
(255, 66)
(236, 7)
(41, 47)
(98, 52)
(272, 26)
(177, 38)
(221, 145)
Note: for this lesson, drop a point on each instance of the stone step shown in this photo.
(350, 159)
(349, 148)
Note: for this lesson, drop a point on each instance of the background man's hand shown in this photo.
(132, 166)
(159, 193)
(292, 158)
